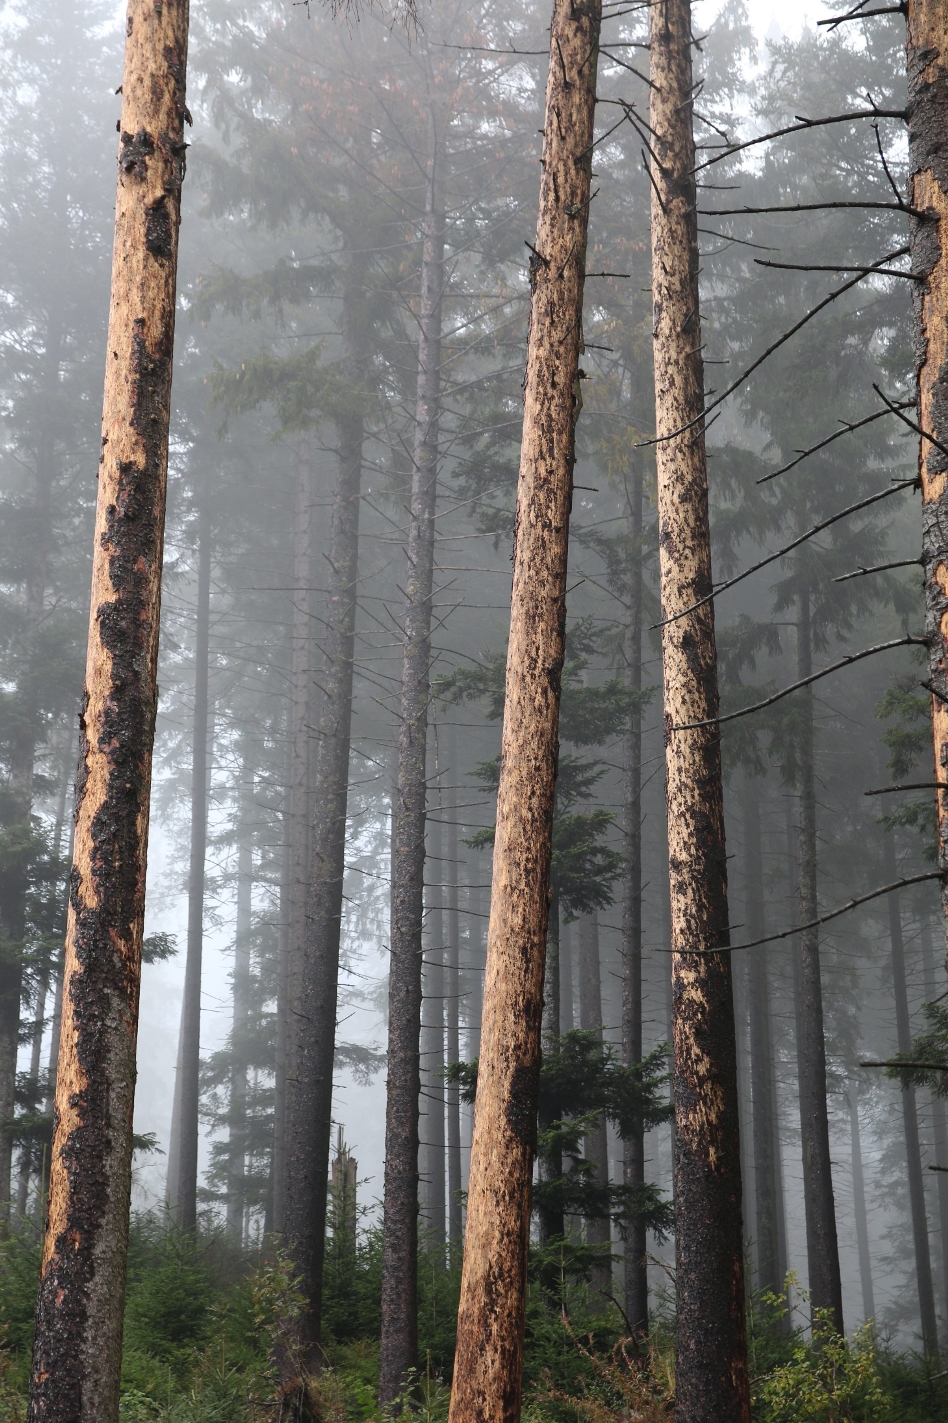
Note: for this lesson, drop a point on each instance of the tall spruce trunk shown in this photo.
(859, 1209)
(277, 1211)
(763, 1107)
(489, 1356)
(822, 1249)
(77, 1346)
(913, 1151)
(240, 1023)
(711, 1381)
(939, 1115)
(399, 1338)
(432, 1161)
(551, 1219)
(189, 1055)
(452, 1000)
(309, 1103)
(926, 52)
(596, 1145)
(635, 1263)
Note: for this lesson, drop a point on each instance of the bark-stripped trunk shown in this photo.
(926, 52)
(913, 1152)
(859, 1210)
(822, 1249)
(77, 1347)
(939, 1116)
(596, 1145)
(452, 992)
(769, 1274)
(309, 1104)
(399, 1341)
(635, 1265)
(711, 1373)
(488, 1360)
(189, 1056)
(237, 1125)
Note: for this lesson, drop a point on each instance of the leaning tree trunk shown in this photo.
(596, 1145)
(240, 1023)
(77, 1347)
(711, 1379)
(635, 1264)
(399, 1341)
(189, 1055)
(822, 1249)
(913, 1151)
(927, 60)
(309, 1104)
(488, 1361)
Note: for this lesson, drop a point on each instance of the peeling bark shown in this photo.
(926, 52)
(78, 1341)
(489, 1356)
(711, 1381)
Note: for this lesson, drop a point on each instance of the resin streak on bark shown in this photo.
(77, 1349)
(488, 1362)
(927, 62)
(711, 1372)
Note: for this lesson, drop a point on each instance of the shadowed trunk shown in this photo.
(596, 1143)
(452, 988)
(399, 1337)
(77, 1348)
(189, 1053)
(488, 1362)
(926, 52)
(241, 1019)
(278, 1161)
(939, 1121)
(565, 946)
(859, 1210)
(711, 1380)
(822, 1250)
(551, 1221)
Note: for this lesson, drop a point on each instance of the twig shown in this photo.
(878, 568)
(801, 126)
(836, 435)
(788, 548)
(805, 682)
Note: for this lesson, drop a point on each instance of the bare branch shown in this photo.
(911, 786)
(833, 267)
(864, 15)
(846, 430)
(878, 568)
(910, 423)
(816, 207)
(801, 126)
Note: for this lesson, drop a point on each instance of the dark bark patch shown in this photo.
(521, 1109)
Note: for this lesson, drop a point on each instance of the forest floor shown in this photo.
(201, 1318)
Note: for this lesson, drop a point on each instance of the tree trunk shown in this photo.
(939, 1122)
(913, 1152)
(822, 1249)
(711, 1372)
(596, 1143)
(190, 1051)
(278, 1161)
(859, 1209)
(488, 1361)
(77, 1346)
(432, 1162)
(551, 1221)
(236, 1203)
(452, 990)
(309, 1104)
(927, 60)
(635, 1264)
(769, 1273)
(565, 949)
(399, 1341)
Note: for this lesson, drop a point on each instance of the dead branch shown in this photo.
(897, 412)
(846, 430)
(832, 267)
(878, 568)
(816, 207)
(864, 15)
(911, 786)
(801, 126)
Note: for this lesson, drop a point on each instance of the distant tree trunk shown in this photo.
(551, 1221)
(432, 1162)
(278, 1162)
(769, 1274)
(596, 1144)
(236, 1193)
(190, 1050)
(452, 989)
(859, 1209)
(635, 1263)
(822, 1249)
(488, 1362)
(565, 949)
(399, 1340)
(927, 59)
(939, 1122)
(309, 1104)
(913, 1151)
(77, 1348)
(711, 1373)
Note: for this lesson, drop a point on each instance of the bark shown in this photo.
(78, 1340)
(913, 1152)
(822, 1249)
(635, 1262)
(452, 989)
(399, 1340)
(711, 1379)
(237, 1125)
(488, 1361)
(927, 63)
(309, 1104)
(189, 1069)
(859, 1208)
(596, 1143)
(769, 1273)
(939, 1116)
(432, 1161)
